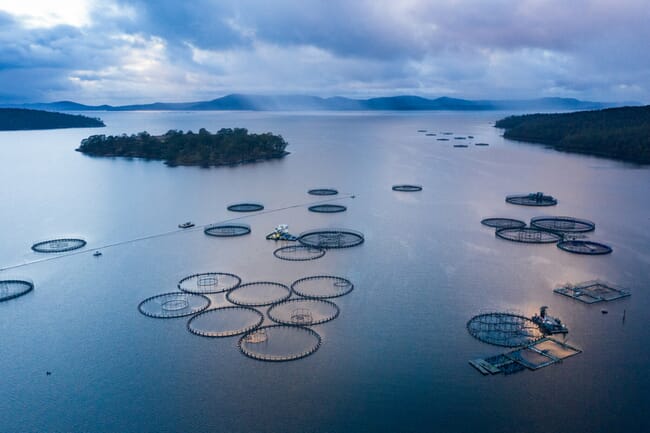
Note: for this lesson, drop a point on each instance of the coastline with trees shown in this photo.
(21, 119)
(617, 133)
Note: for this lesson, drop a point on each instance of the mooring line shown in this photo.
(169, 233)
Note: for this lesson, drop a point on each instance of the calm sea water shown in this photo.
(395, 360)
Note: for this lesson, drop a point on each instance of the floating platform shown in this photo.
(484, 367)
(592, 292)
(539, 354)
(543, 353)
(549, 324)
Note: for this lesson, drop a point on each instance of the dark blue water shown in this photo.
(396, 357)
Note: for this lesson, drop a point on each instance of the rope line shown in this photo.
(172, 232)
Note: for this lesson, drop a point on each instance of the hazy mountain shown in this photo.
(304, 102)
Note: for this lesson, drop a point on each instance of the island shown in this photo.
(617, 133)
(226, 147)
(20, 119)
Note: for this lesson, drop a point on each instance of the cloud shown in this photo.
(136, 51)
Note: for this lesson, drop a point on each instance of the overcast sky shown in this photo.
(117, 52)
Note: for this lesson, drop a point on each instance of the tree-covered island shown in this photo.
(20, 119)
(618, 133)
(226, 147)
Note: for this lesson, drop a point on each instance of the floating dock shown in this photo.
(539, 354)
(591, 292)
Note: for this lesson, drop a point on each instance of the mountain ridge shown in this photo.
(241, 102)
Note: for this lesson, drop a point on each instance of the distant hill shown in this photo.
(15, 119)
(303, 102)
(618, 133)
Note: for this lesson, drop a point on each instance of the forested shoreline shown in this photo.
(618, 133)
(20, 119)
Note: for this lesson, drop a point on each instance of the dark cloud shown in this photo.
(182, 50)
(200, 22)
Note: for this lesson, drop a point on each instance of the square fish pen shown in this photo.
(542, 353)
(591, 292)
(534, 356)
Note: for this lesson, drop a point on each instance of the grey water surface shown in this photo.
(395, 360)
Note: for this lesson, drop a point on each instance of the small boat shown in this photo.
(97, 253)
(186, 225)
(460, 145)
(481, 144)
(281, 233)
(548, 324)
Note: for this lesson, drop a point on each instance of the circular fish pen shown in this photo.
(258, 294)
(528, 235)
(278, 343)
(225, 322)
(209, 282)
(303, 312)
(245, 207)
(227, 230)
(532, 199)
(503, 223)
(504, 329)
(563, 224)
(299, 253)
(322, 287)
(10, 289)
(584, 247)
(331, 238)
(327, 208)
(172, 305)
(58, 245)
(407, 188)
(322, 191)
